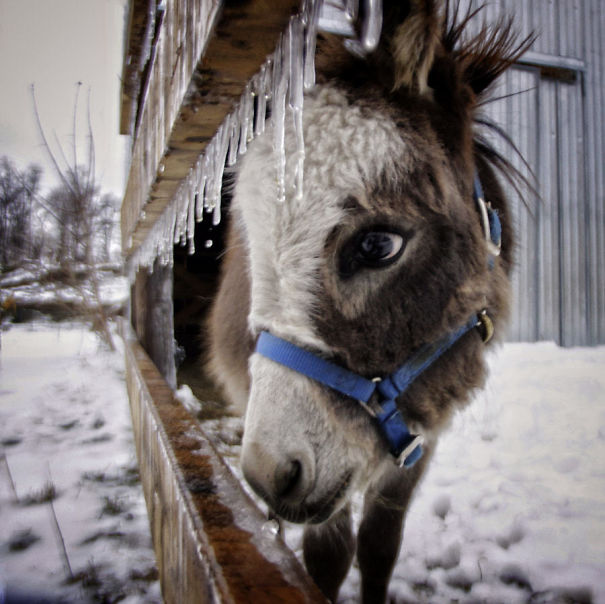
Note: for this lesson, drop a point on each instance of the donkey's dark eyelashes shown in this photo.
(371, 248)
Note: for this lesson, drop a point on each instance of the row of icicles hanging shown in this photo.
(279, 84)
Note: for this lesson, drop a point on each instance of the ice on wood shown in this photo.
(261, 92)
(278, 116)
(280, 85)
(297, 42)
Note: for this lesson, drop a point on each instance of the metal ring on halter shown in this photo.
(484, 209)
(365, 404)
(417, 441)
(486, 326)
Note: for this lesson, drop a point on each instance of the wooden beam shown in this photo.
(136, 54)
(152, 316)
(208, 534)
(246, 32)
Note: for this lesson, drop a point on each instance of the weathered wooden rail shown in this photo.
(208, 535)
(186, 64)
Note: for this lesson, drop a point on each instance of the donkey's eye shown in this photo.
(379, 247)
(372, 249)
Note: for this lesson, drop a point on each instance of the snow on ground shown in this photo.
(46, 289)
(65, 426)
(511, 510)
(513, 506)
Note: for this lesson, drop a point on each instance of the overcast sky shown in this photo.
(54, 44)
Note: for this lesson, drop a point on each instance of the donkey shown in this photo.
(350, 322)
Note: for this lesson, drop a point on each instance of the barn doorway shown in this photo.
(195, 282)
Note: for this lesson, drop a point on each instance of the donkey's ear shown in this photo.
(412, 30)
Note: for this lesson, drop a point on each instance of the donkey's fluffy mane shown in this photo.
(480, 58)
(484, 57)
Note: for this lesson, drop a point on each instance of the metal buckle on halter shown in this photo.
(418, 440)
(367, 406)
(485, 326)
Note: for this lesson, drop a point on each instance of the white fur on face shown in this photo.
(345, 150)
(289, 418)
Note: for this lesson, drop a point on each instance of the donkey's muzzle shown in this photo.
(282, 480)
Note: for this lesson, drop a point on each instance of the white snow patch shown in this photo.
(186, 397)
(518, 482)
(64, 420)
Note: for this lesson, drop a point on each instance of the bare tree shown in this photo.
(18, 190)
(108, 212)
(81, 214)
(84, 218)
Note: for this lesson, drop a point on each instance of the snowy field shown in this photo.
(512, 509)
(513, 506)
(65, 431)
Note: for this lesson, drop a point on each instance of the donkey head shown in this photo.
(383, 254)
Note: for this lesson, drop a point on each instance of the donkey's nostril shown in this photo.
(288, 476)
(279, 477)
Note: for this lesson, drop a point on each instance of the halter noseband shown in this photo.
(405, 447)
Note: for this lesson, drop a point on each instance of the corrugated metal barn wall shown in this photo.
(554, 110)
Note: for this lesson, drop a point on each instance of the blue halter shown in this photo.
(405, 447)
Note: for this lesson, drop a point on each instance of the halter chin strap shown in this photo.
(405, 447)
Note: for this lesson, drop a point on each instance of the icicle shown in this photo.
(183, 215)
(209, 169)
(233, 142)
(372, 25)
(190, 197)
(158, 244)
(297, 42)
(214, 190)
(204, 185)
(166, 248)
(242, 129)
(182, 208)
(176, 236)
(249, 119)
(278, 114)
(257, 93)
(215, 158)
(216, 215)
(222, 138)
(200, 185)
(351, 9)
(262, 94)
(312, 11)
(246, 110)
